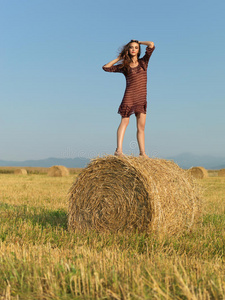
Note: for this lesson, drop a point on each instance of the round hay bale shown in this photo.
(58, 171)
(20, 172)
(221, 173)
(133, 193)
(198, 172)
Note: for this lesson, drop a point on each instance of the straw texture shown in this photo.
(198, 172)
(221, 173)
(58, 171)
(20, 171)
(133, 193)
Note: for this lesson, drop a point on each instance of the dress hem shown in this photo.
(127, 111)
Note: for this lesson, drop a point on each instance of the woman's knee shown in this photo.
(141, 127)
(125, 121)
(141, 118)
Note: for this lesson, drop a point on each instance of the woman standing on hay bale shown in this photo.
(134, 100)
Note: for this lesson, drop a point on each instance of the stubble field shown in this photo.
(40, 259)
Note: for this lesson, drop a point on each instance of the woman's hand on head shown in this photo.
(134, 41)
(149, 44)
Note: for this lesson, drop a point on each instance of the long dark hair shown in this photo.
(126, 58)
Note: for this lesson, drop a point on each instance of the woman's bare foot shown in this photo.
(118, 153)
(143, 155)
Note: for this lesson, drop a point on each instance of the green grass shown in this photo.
(41, 259)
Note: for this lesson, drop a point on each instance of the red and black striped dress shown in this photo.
(135, 96)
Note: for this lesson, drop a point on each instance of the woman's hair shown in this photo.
(125, 57)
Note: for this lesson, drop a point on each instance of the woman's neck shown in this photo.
(134, 60)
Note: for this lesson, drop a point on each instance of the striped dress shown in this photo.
(135, 96)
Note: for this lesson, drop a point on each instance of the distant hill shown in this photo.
(188, 160)
(184, 160)
(76, 162)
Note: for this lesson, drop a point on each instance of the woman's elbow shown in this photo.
(151, 45)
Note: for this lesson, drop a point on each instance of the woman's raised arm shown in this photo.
(149, 44)
(111, 63)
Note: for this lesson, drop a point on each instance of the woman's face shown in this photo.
(133, 49)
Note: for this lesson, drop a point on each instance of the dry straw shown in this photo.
(20, 172)
(58, 171)
(198, 172)
(221, 173)
(133, 193)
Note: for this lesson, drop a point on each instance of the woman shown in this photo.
(134, 100)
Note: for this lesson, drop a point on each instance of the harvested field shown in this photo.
(213, 173)
(41, 259)
(35, 170)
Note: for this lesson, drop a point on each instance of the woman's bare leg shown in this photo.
(120, 135)
(141, 119)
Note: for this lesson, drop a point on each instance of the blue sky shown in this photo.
(56, 101)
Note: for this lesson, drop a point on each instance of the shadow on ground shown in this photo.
(36, 215)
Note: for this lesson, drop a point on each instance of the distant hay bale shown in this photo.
(198, 172)
(20, 172)
(221, 173)
(133, 194)
(58, 171)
